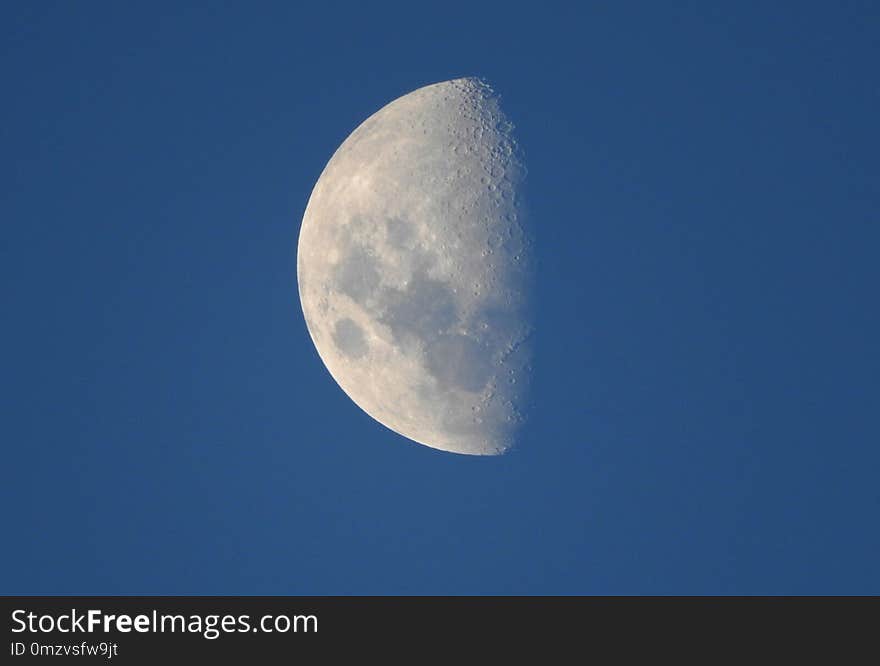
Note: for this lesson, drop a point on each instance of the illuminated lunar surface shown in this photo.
(414, 269)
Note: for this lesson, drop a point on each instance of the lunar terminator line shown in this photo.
(414, 269)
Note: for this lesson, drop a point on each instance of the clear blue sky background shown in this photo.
(704, 181)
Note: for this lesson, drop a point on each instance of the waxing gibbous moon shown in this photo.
(414, 269)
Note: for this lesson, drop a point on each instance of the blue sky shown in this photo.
(704, 183)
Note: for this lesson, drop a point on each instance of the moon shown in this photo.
(415, 268)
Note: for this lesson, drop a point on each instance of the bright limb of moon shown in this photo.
(414, 269)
